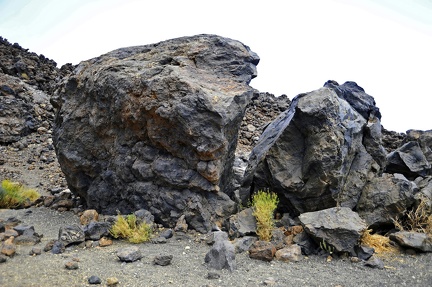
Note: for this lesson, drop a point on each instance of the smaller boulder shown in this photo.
(162, 260)
(181, 225)
(96, 230)
(222, 253)
(337, 227)
(414, 240)
(243, 244)
(129, 254)
(242, 224)
(262, 250)
(290, 253)
(71, 234)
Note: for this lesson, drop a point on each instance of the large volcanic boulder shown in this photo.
(156, 127)
(321, 152)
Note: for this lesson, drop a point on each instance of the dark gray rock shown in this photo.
(162, 260)
(364, 252)
(242, 224)
(338, 227)
(320, 152)
(222, 253)
(424, 138)
(212, 275)
(384, 198)
(156, 127)
(95, 230)
(129, 254)
(408, 160)
(374, 262)
(243, 244)
(167, 233)
(3, 258)
(94, 280)
(414, 240)
(307, 244)
(24, 109)
(145, 216)
(71, 234)
(22, 228)
(159, 240)
(57, 247)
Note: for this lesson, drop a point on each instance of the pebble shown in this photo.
(71, 265)
(213, 275)
(162, 260)
(112, 281)
(35, 251)
(94, 280)
(3, 258)
(104, 241)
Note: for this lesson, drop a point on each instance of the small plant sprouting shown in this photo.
(126, 227)
(264, 205)
(326, 247)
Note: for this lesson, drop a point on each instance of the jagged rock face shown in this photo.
(23, 109)
(385, 198)
(320, 152)
(156, 127)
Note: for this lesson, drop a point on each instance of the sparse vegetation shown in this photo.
(326, 247)
(264, 205)
(126, 227)
(418, 219)
(14, 195)
(380, 243)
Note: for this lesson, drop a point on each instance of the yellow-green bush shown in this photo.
(127, 228)
(13, 194)
(264, 205)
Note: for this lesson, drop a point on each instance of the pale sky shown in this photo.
(384, 45)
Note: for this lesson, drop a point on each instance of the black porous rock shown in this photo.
(155, 127)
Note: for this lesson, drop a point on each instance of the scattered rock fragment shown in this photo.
(71, 234)
(414, 240)
(262, 250)
(129, 254)
(71, 265)
(94, 280)
(290, 253)
(374, 262)
(35, 251)
(162, 260)
(105, 241)
(112, 281)
(212, 275)
(88, 216)
(222, 253)
(8, 248)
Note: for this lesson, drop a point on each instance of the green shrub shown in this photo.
(14, 195)
(127, 228)
(264, 205)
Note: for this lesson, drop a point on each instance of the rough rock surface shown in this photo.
(339, 227)
(23, 110)
(384, 198)
(222, 253)
(320, 152)
(155, 127)
(415, 240)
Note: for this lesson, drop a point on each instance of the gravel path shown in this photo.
(187, 267)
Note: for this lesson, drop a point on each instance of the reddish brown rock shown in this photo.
(262, 250)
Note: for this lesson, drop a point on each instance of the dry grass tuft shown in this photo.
(264, 205)
(127, 228)
(14, 195)
(418, 219)
(380, 243)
